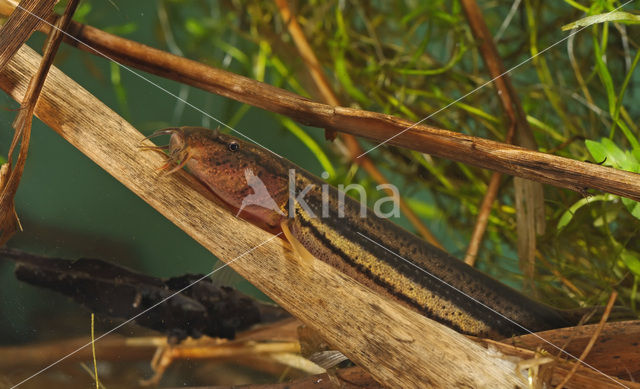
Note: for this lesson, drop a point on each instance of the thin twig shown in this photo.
(592, 341)
(483, 217)
(530, 215)
(215, 349)
(9, 222)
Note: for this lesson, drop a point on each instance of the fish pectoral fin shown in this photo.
(177, 167)
(298, 248)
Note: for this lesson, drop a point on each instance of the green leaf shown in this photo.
(609, 154)
(606, 218)
(123, 29)
(424, 209)
(566, 217)
(597, 151)
(615, 156)
(459, 52)
(604, 75)
(81, 13)
(632, 206)
(616, 16)
(616, 114)
(311, 144)
(119, 89)
(195, 28)
(233, 51)
(631, 260)
(340, 63)
(546, 128)
(636, 154)
(577, 5)
(630, 163)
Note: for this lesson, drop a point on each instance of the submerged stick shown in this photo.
(400, 348)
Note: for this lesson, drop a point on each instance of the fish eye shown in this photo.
(233, 146)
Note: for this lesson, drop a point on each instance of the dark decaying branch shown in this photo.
(119, 293)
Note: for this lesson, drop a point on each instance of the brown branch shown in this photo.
(484, 153)
(617, 352)
(554, 372)
(116, 347)
(592, 341)
(207, 348)
(398, 347)
(328, 96)
(529, 197)
(111, 348)
(20, 24)
(615, 355)
(10, 180)
(483, 218)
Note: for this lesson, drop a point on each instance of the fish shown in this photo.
(322, 223)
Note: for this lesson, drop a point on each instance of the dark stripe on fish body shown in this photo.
(336, 241)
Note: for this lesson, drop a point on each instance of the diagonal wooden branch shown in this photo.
(399, 347)
(484, 153)
(20, 24)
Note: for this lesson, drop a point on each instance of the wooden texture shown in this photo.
(9, 222)
(399, 347)
(18, 28)
(616, 351)
(28, 358)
